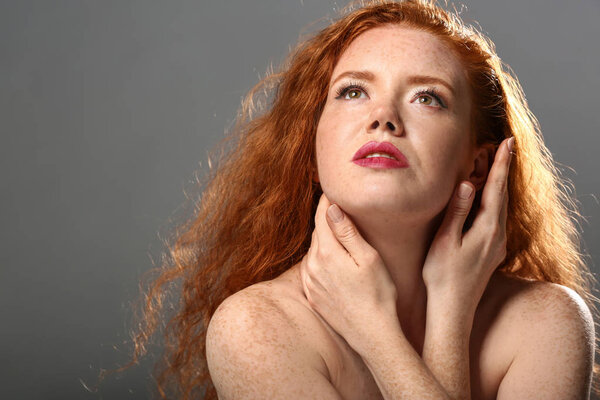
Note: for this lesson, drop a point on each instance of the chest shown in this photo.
(489, 351)
(491, 348)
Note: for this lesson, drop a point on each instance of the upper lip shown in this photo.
(375, 147)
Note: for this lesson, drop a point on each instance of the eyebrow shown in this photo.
(364, 75)
(423, 79)
(413, 79)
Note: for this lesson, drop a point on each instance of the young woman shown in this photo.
(390, 226)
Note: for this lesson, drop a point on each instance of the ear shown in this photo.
(483, 158)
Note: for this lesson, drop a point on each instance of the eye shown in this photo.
(351, 92)
(429, 97)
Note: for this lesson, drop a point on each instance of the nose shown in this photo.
(385, 118)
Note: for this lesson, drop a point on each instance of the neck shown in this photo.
(403, 247)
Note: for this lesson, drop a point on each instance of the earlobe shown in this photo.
(482, 163)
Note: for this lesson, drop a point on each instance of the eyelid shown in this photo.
(344, 87)
(431, 92)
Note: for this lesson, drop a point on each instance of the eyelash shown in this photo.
(353, 85)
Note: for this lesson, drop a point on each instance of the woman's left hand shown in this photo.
(458, 267)
(344, 278)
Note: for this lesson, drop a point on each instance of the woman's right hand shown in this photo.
(345, 279)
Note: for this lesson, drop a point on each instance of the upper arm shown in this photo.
(253, 353)
(555, 356)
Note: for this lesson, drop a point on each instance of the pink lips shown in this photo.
(380, 162)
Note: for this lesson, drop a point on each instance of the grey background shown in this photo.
(108, 107)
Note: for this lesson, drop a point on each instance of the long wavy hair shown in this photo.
(255, 216)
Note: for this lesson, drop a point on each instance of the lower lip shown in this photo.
(380, 163)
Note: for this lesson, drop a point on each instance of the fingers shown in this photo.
(457, 211)
(337, 234)
(494, 192)
(326, 246)
(346, 233)
(504, 211)
(326, 240)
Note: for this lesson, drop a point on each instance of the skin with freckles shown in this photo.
(433, 136)
(382, 90)
(398, 210)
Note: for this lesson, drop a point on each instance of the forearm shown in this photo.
(397, 368)
(446, 347)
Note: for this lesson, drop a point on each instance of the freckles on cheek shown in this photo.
(330, 168)
(443, 163)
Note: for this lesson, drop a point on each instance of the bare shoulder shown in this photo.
(552, 335)
(254, 347)
(539, 302)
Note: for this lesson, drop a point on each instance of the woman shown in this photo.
(411, 287)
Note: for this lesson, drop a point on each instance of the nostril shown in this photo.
(391, 126)
(375, 125)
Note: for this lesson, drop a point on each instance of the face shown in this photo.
(402, 86)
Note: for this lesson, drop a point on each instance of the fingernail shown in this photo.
(510, 143)
(464, 191)
(335, 213)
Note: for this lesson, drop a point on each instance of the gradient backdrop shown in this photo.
(108, 107)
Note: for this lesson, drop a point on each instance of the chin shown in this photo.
(379, 202)
(374, 204)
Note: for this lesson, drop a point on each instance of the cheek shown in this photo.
(334, 171)
(331, 148)
(329, 159)
(446, 162)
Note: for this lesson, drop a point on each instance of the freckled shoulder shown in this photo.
(553, 309)
(551, 334)
(533, 302)
(254, 347)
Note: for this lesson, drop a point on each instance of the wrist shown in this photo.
(380, 334)
(449, 315)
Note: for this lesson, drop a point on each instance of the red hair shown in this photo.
(254, 219)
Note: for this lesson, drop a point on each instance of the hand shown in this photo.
(344, 278)
(458, 268)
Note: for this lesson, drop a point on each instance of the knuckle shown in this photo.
(500, 256)
(496, 231)
(311, 267)
(323, 253)
(444, 240)
(492, 230)
(500, 185)
(461, 208)
(346, 232)
(371, 256)
(503, 253)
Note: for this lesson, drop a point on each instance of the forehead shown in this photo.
(394, 49)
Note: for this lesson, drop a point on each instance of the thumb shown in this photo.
(458, 210)
(346, 232)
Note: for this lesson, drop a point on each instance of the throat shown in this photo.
(412, 315)
(415, 336)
